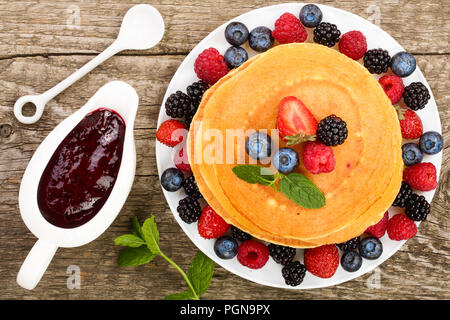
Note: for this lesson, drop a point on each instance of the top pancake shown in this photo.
(368, 169)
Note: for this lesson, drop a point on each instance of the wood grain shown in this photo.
(37, 49)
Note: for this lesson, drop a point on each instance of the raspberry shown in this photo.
(171, 132)
(318, 158)
(288, 29)
(211, 225)
(253, 254)
(400, 227)
(410, 124)
(353, 44)
(322, 261)
(421, 176)
(393, 87)
(181, 160)
(210, 66)
(378, 230)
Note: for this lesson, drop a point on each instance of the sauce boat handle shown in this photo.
(35, 264)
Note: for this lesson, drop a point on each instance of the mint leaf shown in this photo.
(185, 295)
(200, 272)
(150, 234)
(137, 231)
(129, 240)
(254, 174)
(302, 191)
(135, 257)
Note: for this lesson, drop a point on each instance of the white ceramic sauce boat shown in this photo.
(117, 96)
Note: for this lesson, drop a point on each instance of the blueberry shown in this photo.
(172, 179)
(411, 154)
(310, 16)
(285, 160)
(351, 261)
(431, 142)
(226, 247)
(370, 248)
(236, 33)
(235, 56)
(403, 64)
(258, 145)
(260, 39)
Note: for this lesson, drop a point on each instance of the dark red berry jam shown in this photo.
(83, 170)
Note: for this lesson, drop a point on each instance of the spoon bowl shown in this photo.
(119, 97)
(142, 28)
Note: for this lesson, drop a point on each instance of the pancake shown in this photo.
(367, 176)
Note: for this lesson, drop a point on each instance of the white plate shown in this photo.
(270, 274)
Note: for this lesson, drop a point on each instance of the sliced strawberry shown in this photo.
(295, 122)
(181, 160)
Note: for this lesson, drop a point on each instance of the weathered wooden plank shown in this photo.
(148, 75)
(47, 27)
(418, 270)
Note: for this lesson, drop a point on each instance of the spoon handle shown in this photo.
(41, 100)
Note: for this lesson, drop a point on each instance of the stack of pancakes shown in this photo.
(369, 166)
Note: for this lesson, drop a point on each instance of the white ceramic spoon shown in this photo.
(142, 28)
(117, 96)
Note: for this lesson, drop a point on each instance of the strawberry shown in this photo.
(378, 230)
(211, 225)
(181, 159)
(295, 122)
(171, 132)
(400, 227)
(322, 261)
(410, 124)
(421, 176)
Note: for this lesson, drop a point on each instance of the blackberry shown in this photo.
(281, 254)
(189, 210)
(178, 105)
(196, 91)
(377, 60)
(191, 188)
(240, 235)
(293, 273)
(417, 207)
(403, 195)
(332, 131)
(327, 34)
(349, 245)
(416, 96)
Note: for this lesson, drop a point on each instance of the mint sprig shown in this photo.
(143, 247)
(295, 186)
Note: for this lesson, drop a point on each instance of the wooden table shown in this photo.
(42, 42)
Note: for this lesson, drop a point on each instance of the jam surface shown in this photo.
(82, 172)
